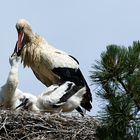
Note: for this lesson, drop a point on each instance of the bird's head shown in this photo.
(24, 34)
(27, 102)
(14, 60)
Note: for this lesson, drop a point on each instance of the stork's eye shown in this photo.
(21, 29)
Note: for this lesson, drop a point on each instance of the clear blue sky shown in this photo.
(82, 28)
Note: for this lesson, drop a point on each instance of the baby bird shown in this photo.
(63, 98)
(8, 92)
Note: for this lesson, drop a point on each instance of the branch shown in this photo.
(127, 92)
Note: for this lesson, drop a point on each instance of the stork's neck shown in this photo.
(10, 86)
(28, 37)
(31, 52)
(13, 74)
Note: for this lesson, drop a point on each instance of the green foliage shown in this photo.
(118, 76)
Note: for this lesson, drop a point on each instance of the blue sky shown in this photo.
(82, 28)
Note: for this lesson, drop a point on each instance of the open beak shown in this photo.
(15, 50)
(20, 39)
(23, 104)
(18, 46)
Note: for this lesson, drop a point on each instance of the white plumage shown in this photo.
(55, 99)
(9, 92)
(10, 95)
(50, 65)
(28, 103)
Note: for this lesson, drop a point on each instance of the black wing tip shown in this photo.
(89, 94)
(86, 101)
(80, 111)
(69, 92)
(87, 106)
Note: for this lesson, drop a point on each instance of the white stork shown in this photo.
(55, 99)
(10, 95)
(50, 65)
(9, 92)
(28, 103)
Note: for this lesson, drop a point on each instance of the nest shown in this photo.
(18, 125)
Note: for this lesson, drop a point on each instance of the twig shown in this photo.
(74, 136)
(26, 125)
(3, 126)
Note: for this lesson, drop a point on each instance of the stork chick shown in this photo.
(55, 99)
(8, 90)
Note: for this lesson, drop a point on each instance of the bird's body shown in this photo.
(43, 59)
(9, 94)
(50, 65)
(28, 102)
(56, 99)
(63, 97)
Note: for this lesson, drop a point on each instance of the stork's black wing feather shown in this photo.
(69, 93)
(70, 74)
(75, 75)
(80, 111)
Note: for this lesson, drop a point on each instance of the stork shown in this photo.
(55, 99)
(9, 92)
(50, 65)
(28, 103)
(10, 95)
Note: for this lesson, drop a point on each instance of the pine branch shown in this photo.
(128, 92)
(122, 84)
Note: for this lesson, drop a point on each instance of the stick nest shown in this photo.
(18, 125)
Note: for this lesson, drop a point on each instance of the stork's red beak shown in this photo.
(19, 44)
(20, 39)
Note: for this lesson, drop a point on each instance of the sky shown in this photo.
(82, 28)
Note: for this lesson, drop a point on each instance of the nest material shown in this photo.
(26, 125)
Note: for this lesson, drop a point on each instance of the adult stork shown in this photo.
(54, 99)
(50, 65)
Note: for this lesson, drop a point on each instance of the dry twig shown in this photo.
(27, 125)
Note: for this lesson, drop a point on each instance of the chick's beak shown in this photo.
(23, 104)
(15, 50)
